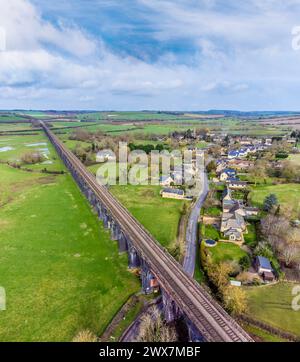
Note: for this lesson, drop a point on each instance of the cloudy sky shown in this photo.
(149, 54)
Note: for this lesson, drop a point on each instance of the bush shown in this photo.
(269, 202)
(31, 158)
(85, 336)
(264, 249)
(245, 262)
(235, 300)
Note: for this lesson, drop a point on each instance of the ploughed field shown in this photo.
(61, 272)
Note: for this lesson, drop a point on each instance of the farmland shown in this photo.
(286, 194)
(13, 147)
(59, 277)
(272, 304)
(146, 204)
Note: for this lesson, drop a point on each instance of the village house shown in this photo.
(291, 141)
(221, 165)
(166, 180)
(169, 193)
(240, 164)
(264, 269)
(233, 154)
(177, 176)
(236, 184)
(246, 141)
(251, 211)
(268, 141)
(243, 152)
(227, 173)
(257, 141)
(233, 223)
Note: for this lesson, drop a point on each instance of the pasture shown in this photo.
(287, 195)
(272, 304)
(160, 216)
(60, 270)
(13, 147)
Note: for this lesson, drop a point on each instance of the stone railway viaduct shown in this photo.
(181, 295)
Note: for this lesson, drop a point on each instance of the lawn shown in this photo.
(209, 232)
(202, 144)
(160, 216)
(286, 194)
(272, 305)
(60, 270)
(226, 252)
(213, 211)
(251, 237)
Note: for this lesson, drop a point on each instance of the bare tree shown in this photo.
(154, 329)
(290, 250)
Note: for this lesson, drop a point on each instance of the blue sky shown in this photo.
(149, 54)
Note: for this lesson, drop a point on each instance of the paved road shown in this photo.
(132, 332)
(191, 232)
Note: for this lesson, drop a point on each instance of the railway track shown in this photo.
(198, 305)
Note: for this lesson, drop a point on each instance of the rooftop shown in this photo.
(264, 262)
(173, 191)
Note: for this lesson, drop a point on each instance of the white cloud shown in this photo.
(27, 31)
(60, 65)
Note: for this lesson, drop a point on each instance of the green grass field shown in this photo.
(226, 252)
(286, 194)
(263, 336)
(69, 124)
(19, 145)
(272, 304)
(213, 211)
(71, 144)
(160, 216)
(10, 118)
(12, 127)
(126, 116)
(209, 232)
(60, 270)
(251, 236)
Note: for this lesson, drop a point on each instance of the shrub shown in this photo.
(269, 202)
(154, 329)
(245, 262)
(85, 336)
(235, 300)
(31, 158)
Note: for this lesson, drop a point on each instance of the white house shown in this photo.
(166, 180)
